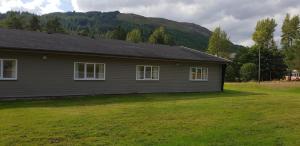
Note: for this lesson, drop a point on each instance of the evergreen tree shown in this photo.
(134, 36)
(230, 73)
(34, 23)
(14, 21)
(219, 43)
(54, 26)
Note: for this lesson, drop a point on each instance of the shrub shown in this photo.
(230, 74)
(248, 72)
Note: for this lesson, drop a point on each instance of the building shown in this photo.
(39, 64)
(295, 76)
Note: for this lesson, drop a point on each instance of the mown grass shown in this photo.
(245, 114)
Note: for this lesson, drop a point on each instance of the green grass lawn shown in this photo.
(245, 114)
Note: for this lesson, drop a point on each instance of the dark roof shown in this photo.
(40, 41)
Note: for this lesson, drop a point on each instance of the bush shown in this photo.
(248, 72)
(230, 74)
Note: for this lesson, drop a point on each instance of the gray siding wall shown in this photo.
(54, 76)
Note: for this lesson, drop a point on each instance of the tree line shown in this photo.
(159, 36)
(275, 61)
(16, 21)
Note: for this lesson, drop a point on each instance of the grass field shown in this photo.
(245, 114)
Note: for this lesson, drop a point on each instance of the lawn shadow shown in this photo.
(117, 99)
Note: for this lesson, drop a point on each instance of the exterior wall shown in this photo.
(54, 76)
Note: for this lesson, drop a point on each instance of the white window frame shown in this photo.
(85, 72)
(2, 69)
(201, 79)
(144, 78)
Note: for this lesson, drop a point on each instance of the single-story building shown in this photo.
(36, 64)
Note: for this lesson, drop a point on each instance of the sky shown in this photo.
(237, 17)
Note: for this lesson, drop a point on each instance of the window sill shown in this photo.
(8, 79)
(199, 80)
(147, 80)
(89, 79)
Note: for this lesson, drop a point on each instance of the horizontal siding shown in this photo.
(54, 76)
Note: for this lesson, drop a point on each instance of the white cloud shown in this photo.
(34, 6)
(51, 6)
(237, 17)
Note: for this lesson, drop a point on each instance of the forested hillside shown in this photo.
(97, 24)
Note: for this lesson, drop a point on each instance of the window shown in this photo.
(199, 74)
(8, 69)
(147, 72)
(89, 71)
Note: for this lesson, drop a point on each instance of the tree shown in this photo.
(134, 36)
(14, 21)
(296, 59)
(219, 43)
(160, 36)
(83, 31)
(34, 23)
(248, 72)
(272, 62)
(290, 31)
(264, 33)
(290, 41)
(263, 37)
(119, 34)
(230, 73)
(54, 26)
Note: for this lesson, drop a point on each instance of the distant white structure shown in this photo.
(295, 76)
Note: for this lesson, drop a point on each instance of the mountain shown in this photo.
(98, 23)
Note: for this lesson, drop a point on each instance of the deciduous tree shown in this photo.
(264, 33)
(119, 34)
(134, 36)
(248, 72)
(160, 36)
(219, 43)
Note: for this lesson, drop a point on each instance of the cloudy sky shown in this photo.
(236, 17)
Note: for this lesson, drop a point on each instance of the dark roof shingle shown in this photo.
(20, 39)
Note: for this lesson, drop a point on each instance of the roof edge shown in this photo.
(104, 55)
(225, 60)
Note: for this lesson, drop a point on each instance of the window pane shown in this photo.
(204, 73)
(199, 73)
(155, 73)
(193, 73)
(148, 73)
(90, 71)
(100, 71)
(140, 72)
(9, 69)
(79, 70)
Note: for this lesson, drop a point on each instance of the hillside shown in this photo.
(98, 23)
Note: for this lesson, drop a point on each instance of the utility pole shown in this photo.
(259, 65)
